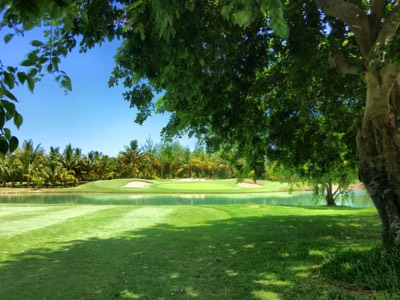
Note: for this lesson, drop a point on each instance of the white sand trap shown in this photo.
(249, 185)
(136, 184)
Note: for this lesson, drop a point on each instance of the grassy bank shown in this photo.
(178, 252)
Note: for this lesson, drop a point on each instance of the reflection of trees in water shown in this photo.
(356, 199)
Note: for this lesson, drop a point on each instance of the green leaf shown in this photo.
(21, 77)
(278, 23)
(37, 43)
(66, 83)
(9, 116)
(84, 17)
(30, 25)
(9, 106)
(3, 146)
(43, 60)
(9, 95)
(9, 79)
(33, 72)
(69, 23)
(226, 11)
(8, 37)
(34, 55)
(7, 133)
(18, 120)
(242, 18)
(13, 144)
(28, 63)
(55, 12)
(31, 83)
(55, 61)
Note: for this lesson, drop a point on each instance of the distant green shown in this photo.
(178, 186)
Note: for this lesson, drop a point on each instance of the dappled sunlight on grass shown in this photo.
(264, 295)
(263, 253)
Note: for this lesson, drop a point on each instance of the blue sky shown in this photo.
(91, 117)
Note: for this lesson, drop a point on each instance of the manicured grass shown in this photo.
(177, 186)
(179, 252)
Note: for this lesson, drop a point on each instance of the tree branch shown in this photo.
(351, 15)
(388, 30)
(375, 17)
(337, 61)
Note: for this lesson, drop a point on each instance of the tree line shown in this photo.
(30, 166)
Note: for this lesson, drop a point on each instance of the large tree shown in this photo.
(220, 63)
(214, 60)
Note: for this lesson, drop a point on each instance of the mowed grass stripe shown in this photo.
(10, 228)
(6, 210)
(108, 222)
(139, 218)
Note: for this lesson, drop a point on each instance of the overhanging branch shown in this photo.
(389, 29)
(351, 15)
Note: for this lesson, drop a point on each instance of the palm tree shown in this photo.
(130, 158)
(67, 176)
(11, 169)
(187, 163)
(163, 158)
(70, 159)
(29, 156)
(89, 164)
(106, 167)
(53, 167)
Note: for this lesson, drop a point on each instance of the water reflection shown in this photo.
(359, 199)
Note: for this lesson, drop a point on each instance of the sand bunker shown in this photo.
(136, 184)
(249, 185)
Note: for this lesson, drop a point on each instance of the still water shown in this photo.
(358, 199)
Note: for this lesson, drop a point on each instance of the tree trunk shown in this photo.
(330, 195)
(378, 146)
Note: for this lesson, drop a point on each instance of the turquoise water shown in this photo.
(359, 199)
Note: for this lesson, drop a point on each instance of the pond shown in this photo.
(358, 199)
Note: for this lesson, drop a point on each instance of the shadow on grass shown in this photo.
(241, 258)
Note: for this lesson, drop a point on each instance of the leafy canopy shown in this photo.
(231, 74)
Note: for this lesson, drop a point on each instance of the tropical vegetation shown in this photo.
(31, 166)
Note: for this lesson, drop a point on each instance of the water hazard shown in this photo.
(358, 199)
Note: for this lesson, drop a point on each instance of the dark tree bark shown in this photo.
(379, 153)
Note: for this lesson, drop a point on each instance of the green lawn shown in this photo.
(178, 252)
(176, 186)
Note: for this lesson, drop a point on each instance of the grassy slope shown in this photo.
(174, 186)
(176, 252)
